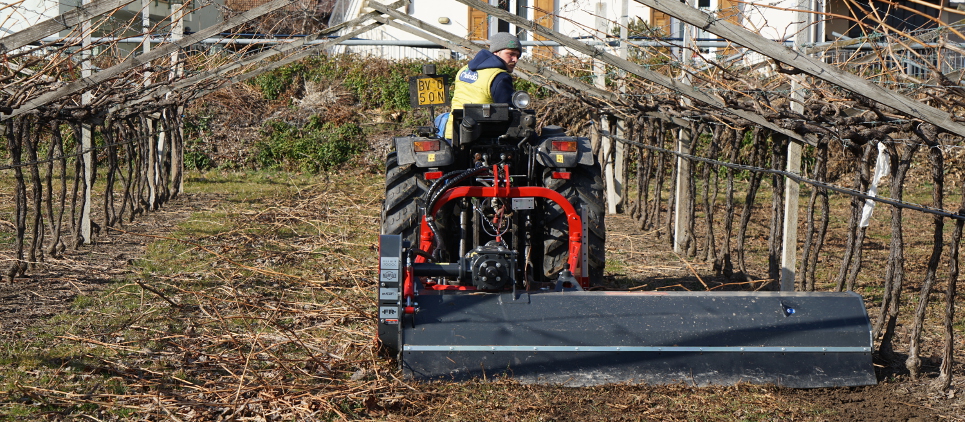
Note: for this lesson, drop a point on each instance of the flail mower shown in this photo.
(490, 246)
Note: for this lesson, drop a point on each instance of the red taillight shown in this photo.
(561, 175)
(422, 146)
(432, 175)
(564, 146)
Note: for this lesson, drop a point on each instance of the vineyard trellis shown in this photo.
(739, 118)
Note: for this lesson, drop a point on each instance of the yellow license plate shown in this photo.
(431, 91)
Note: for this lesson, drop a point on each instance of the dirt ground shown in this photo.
(90, 269)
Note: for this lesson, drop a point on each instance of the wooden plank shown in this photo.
(634, 68)
(809, 65)
(59, 23)
(82, 84)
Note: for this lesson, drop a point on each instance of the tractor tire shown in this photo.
(404, 186)
(583, 189)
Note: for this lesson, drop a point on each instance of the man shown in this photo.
(487, 78)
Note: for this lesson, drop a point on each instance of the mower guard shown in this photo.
(790, 339)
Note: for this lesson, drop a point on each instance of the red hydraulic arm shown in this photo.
(502, 189)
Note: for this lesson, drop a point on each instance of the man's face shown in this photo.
(510, 56)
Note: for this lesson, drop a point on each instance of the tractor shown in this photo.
(491, 261)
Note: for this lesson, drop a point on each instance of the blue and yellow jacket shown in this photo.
(485, 80)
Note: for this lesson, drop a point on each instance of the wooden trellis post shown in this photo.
(177, 129)
(87, 137)
(685, 138)
(146, 33)
(792, 190)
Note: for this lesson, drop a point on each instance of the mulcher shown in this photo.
(492, 240)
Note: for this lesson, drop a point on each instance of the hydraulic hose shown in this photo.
(434, 194)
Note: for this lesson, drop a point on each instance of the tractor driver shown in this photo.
(487, 78)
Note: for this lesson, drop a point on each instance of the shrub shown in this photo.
(315, 147)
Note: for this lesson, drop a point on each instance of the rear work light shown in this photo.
(422, 146)
(564, 146)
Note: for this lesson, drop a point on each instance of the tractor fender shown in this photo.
(548, 157)
(405, 147)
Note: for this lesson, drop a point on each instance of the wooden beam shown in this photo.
(634, 68)
(59, 23)
(739, 35)
(82, 84)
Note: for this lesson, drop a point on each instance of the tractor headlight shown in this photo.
(521, 99)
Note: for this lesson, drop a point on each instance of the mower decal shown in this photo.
(388, 294)
(389, 263)
(389, 312)
(432, 157)
(391, 276)
(559, 158)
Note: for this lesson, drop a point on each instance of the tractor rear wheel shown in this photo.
(403, 188)
(584, 189)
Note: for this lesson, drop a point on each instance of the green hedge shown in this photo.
(316, 146)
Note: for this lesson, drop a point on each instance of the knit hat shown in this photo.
(504, 40)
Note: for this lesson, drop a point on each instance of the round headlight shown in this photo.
(521, 99)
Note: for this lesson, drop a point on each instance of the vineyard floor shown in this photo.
(96, 372)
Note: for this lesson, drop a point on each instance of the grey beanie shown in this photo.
(504, 40)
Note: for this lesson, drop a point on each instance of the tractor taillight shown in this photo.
(564, 146)
(423, 146)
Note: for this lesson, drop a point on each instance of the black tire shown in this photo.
(404, 186)
(583, 189)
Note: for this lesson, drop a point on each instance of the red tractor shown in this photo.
(491, 239)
